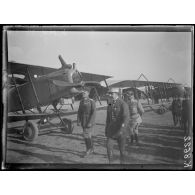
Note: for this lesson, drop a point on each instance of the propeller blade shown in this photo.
(81, 76)
(64, 65)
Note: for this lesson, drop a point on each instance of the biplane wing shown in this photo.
(21, 69)
(38, 71)
(138, 83)
(154, 91)
(154, 88)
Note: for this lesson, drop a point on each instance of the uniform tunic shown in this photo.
(187, 107)
(176, 107)
(86, 113)
(135, 110)
(117, 114)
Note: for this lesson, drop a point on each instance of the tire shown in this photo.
(68, 127)
(30, 131)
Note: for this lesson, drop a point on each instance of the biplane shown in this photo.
(32, 87)
(156, 93)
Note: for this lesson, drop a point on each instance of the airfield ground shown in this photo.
(160, 144)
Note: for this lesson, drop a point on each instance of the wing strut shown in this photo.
(97, 95)
(106, 83)
(164, 88)
(18, 94)
(34, 90)
(136, 93)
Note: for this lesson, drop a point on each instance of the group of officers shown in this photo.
(123, 119)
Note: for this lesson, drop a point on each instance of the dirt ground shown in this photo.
(160, 144)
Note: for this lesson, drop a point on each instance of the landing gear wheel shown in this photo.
(161, 110)
(30, 131)
(67, 126)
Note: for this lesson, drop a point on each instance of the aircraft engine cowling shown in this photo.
(73, 90)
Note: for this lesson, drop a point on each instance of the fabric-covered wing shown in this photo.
(94, 77)
(136, 83)
(21, 69)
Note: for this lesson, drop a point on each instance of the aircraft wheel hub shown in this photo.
(30, 131)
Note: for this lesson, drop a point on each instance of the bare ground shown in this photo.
(160, 144)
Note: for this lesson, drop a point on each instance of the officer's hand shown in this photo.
(119, 133)
(89, 125)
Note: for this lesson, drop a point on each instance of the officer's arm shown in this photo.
(125, 117)
(125, 114)
(93, 113)
(79, 114)
(108, 115)
(140, 108)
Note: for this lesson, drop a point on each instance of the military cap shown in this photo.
(130, 92)
(86, 89)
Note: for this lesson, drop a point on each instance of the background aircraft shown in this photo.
(156, 93)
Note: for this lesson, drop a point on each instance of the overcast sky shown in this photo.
(123, 55)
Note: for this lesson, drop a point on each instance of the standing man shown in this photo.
(173, 108)
(86, 118)
(176, 110)
(116, 125)
(136, 110)
(187, 114)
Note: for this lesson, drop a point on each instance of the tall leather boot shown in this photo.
(136, 139)
(86, 144)
(91, 145)
(110, 156)
(122, 159)
(131, 139)
(87, 147)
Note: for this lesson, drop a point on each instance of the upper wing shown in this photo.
(136, 83)
(94, 77)
(82, 84)
(21, 69)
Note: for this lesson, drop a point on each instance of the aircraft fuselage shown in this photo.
(42, 91)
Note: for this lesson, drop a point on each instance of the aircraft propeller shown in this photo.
(64, 64)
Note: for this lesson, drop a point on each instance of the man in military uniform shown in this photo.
(116, 125)
(136, 110)
(187, 114)
(86, 118)
(176, 109)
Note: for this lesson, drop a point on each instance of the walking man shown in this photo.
(86, 118)
(136, 110)
(116, 125)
